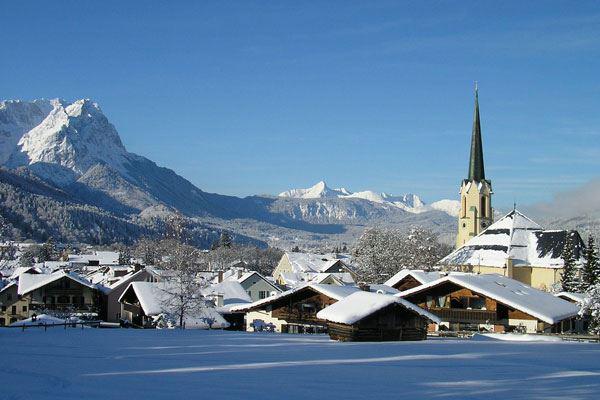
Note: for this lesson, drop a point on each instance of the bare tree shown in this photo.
(182, 283)
(380, 253)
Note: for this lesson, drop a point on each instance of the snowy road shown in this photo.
(133, 364)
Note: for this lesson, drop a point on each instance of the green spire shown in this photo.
(476, 171)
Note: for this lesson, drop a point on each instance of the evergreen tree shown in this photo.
(591, 268)
(569, 280)
(124, 255)
(590, 309)
(225, 240)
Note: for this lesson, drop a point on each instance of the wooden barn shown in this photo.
(374, 317)
(295, 311)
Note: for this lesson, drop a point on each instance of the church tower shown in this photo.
(476, 191)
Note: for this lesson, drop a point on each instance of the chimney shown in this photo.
(220, 277)
(240, 273)
(364, 286)
(137, 267)
(219, 300)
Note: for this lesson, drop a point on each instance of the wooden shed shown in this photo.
(375, 317)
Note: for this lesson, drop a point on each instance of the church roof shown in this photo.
(517, 237)
(476, 168)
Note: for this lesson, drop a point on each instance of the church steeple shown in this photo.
(476, 169)
(476, 212)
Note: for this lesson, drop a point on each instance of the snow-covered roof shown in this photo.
(151, 295)
(310, 262)
(514, 237)
(103, 258)
(334, 291)
(342, 278)
(31, 282)
(232, 291)
(382, 288)
(575, 297)
(250, 274)
(361, 304)
(420, 275)
(542, 305)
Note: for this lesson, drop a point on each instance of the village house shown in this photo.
(295, 311)
(143, 304)
(491, 302)
(369, 317)
(257, 286)
(112, 282)
(299, 268)
(225, 296)
(58, 292)
(518, 248)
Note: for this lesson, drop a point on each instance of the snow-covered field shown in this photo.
(135, 364)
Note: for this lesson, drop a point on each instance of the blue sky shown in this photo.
(258, 97)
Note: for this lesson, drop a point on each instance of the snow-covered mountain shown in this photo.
(76, 158)
(407, 202)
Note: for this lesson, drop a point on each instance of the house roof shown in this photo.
(31, 282)
(249, 274)
(514, 237)
(361, 304)
(334, 291)
(541, 305)
(420, 275)
(103, 257)
(310, 262)
(232, 291)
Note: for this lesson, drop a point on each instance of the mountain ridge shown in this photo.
(74, 149)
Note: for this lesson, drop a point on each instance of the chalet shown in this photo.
(409, 278)
(58, 292)
(300, 268)
(373, 317)
(145, 304)
(518, 248)
(295, 311)
(96, 258)
(491, 302)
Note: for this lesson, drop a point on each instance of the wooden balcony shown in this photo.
(465, 316)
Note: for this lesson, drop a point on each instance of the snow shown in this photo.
(515, 337)
(361, 304)
(542, 305)
(408, 202)
(43, 319)
(173, 364)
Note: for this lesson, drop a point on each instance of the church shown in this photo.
(514, 246)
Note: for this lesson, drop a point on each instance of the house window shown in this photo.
(63, 300)
(2, 322)
(14, 310)
(3, 308)
(24, 308)
(263, 294)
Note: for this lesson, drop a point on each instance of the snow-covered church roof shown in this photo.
(515, 237)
